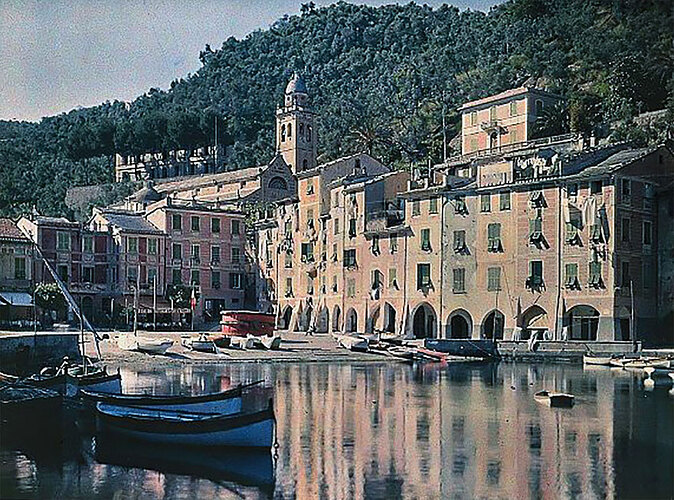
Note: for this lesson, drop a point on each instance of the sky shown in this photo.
(56, 55)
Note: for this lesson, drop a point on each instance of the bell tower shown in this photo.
(295, 132)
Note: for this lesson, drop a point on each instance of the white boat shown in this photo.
(200, 344)
(555, 399)
(352, 343)
(243, 342)
(597, 360)
(253, 429)
(131, 342)
(640, 363)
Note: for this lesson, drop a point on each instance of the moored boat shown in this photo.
(555, 399)
(589, 359)
(253, 429)
(200, 344)
(244, 323)
(271, 343)
(352, 343)
(148, 345)
(640, 363)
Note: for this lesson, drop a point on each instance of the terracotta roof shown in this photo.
(209, 179)
(10, 231)
(505, 95)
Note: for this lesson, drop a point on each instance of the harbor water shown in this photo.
(383, 431)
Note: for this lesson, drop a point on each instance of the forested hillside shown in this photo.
(380, 79)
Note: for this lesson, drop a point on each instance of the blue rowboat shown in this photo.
(250, 429)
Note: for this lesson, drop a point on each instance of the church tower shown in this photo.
(295, 131)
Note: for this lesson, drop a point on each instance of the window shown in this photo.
(283, 133)
(290, 130)
(350, 258)
(310, 186)
(571, 276)
(236, 254)
(132, 245)
(215, 225)
(513, 136)
(309, 133)
(595, 280)
(334, 283)
(572, 190)
(177, 277)
(307, 252)
(513, 108)
(473, 118)
(289, 287)
(132, 274)
(596, 187)
(236, 227)
(625, 277)
(62, 241)
(492, 113)
(473, 143)
(535, 279)
(288, 262)
(351, 287)
(504, 201)
(310, 218)
(393, 278)
(535, 230)
(215, 254)
(460, 207)
(63, 272)
(494, 238)
(647, 231)
(336, 226)
(177, 251)
(215, 280)
(376, 279)
(423, 276)
(485, 203)
(493, 279)
(375, 246)
(537, 200)
(177, 222)
(416, 209)
(625, 230)
(87, 244)
(335, 257)
(19, 268)
(352, 228)
(433, 206)
(459, 241)
(310, 285)
(151, 275)
(596, 233)
(538, 106)
(235, 281)
(426, 240)
(648, 275)
(195, 277)
(195, 224)
(459, 280)
(625, 188)
(393, 243)
(195, 253)
(152, 246)
(87, 274)
(288, 228)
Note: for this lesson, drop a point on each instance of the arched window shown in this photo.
(304, 164)
(309, 133)
(283, 132)
(290, 130)
(278, 183)
(301, 132)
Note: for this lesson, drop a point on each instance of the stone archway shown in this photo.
(534, 320)
(351, 324)
(582, 322)
(459, 325)
(493, 325)
(374, 320)
(424, 322)
(323, 320)
(336, 319)
(284, 319)
(389, 318)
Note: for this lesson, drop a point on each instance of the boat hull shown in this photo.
(154, 347)
(108, 383)
(255, 430)
(597, 360)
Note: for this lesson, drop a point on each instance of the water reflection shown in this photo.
(393, 431)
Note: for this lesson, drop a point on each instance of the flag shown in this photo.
(193, 300)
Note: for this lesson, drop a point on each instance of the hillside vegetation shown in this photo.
(381, 80)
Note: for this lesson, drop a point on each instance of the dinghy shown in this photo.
(271, 343)
(597, 360)
(254, 429)
(200, 344)
(69, 380)
(226, 402)
(555, 399)
(131, 342)
(242, 342)
(352, 343)
(640, 363)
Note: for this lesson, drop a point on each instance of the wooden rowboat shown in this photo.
(200, 344)
(271, 343)
(597, 360)
(352, 343)
(72, 381)
(225, 402)
(555, 399)
(254, 429)
(640, 363)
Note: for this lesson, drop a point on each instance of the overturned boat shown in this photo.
(250, 429)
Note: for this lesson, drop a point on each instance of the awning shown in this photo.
(18, 299)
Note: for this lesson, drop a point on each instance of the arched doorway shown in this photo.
(351, 321)
(423, 323)
(583, 322)
(459, 325)
(323, 321)
(305, 319)
(336, 319)
(389, 318)
(493, 325)
(284, 321)
(373, 322)
(534, 320)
